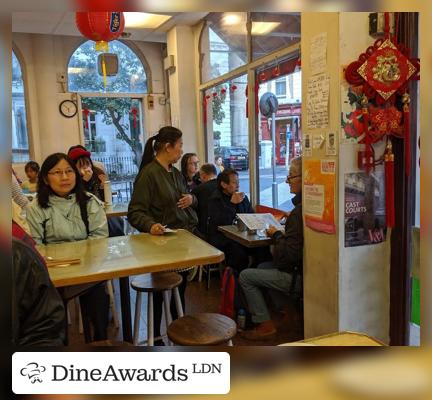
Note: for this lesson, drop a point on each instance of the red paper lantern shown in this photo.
(233, 88)
(100, 27)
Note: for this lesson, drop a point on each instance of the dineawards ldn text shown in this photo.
(113, 374)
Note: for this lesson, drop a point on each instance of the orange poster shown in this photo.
(319, 194)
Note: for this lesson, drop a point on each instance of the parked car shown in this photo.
(234, 157)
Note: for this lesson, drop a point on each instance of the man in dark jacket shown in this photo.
(38, 314)
(203, 192)
(287, 255)
(223, 206)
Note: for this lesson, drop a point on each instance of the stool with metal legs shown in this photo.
(164, 282)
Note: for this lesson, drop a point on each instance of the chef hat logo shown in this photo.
(33, 371)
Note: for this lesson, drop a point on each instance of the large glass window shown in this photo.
(223, 44)
(84, 74)
(281, 80)
(112, 124)
(20, 142)
(273, 31)
(227, 126)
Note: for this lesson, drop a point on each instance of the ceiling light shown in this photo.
(144, 20)
(231, 19)
(263, 28)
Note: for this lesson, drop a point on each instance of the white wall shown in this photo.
(364, 271)
(44, 56)
(183, 85)
(344, 288)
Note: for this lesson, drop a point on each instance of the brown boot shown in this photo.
(264, 330)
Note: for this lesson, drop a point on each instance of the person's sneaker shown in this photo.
(264, 330)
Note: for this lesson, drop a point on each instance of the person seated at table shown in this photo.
(208, 175)
(160, 199)
(287, 255)
(17, 192)
(32, 170)
(223, 206)
(64, 212)
(93, 179)
(189, 169)
(38, 314)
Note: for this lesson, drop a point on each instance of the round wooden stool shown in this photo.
(204, 329)
(164, 282)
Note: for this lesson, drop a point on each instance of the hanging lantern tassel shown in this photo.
(406, 101)
(389, 184)
(104, 70)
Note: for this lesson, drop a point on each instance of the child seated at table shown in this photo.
(32, 171)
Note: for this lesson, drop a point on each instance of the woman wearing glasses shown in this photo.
(64, 212)
(190, 170)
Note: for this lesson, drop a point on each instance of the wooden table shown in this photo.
(117, 210)
(346, 338)
(243, 237)
(122, 256)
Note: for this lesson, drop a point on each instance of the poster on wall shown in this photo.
(364, 221)
(319, 194)
(352, 129)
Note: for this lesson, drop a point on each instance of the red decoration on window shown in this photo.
(205, 101)
(134, 112)
(233, 88)
(214, 94)
(86, 113)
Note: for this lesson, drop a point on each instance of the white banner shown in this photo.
(120, 372)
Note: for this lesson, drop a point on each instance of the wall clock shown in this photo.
(68, 108)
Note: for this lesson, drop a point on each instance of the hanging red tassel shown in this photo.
(406, 101)
(205, 99)
(389, 184)
(86, 113)
(134, 112)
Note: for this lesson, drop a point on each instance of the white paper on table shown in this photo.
(169, 230)
(260, 221)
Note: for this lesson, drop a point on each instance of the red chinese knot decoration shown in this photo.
(383, 72)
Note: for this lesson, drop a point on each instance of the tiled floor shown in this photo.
(198, 299)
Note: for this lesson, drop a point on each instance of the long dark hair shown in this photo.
(45, 191)
(167, 134)
(184, 164)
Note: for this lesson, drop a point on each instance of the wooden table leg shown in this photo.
(126, 309)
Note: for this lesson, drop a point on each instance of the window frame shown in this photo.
(250, 68)
(133, 47)
(29, 125)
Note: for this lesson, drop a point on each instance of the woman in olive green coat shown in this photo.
(160, 199)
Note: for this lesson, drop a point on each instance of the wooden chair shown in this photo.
(204, 329)
(164, 282)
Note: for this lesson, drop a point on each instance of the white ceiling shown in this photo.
(63, 23)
